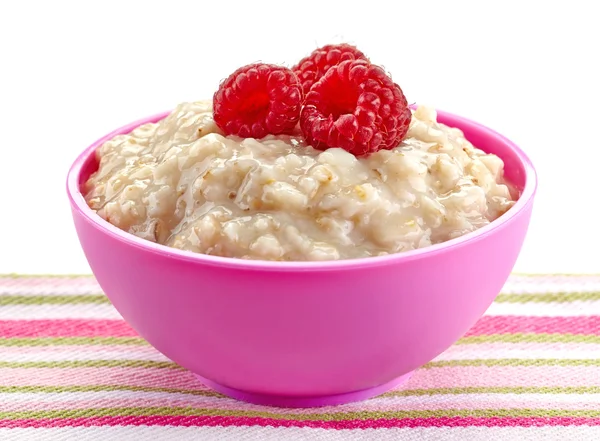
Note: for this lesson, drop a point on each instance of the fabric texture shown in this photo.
(71, 368)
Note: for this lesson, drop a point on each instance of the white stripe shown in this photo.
(455, 401)
(555, 278)
(107, 311)
(520, 350)
(484, 351)
(551, 284)
(49, 286)
(516, 284)
(252, 433)
(55, 312)
(145, 353)
(40, 398)
(88, 285)
(578, 308)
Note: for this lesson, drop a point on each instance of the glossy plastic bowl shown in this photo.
(301, 334)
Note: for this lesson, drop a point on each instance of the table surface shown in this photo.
(71, 368)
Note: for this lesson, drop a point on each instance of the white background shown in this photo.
(72, 71)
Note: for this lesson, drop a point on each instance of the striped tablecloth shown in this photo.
(70, 368)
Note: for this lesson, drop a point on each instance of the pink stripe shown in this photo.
(188, 421)
(117, 328)
(539, 325)
(505, 376)
(114, 376)
(65, 328)
(232, 405)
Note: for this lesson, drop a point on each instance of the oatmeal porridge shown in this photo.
(182, 183)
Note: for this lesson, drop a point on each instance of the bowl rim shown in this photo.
(79, 205)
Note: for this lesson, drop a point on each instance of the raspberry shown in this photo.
(310, 69)
(257, 100)
(357, 107)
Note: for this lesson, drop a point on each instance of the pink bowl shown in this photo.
(303, 334)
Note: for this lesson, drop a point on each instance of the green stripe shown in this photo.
(171, 365)
(100, 388)
(514, 362)
(400, 393)
(558, 297)
(137, 341)
(53, 300)
(529, 338)
(62, 341)
(91, 363)
(495, 390)
(338, 416)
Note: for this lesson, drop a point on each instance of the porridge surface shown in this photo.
(180, 183)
